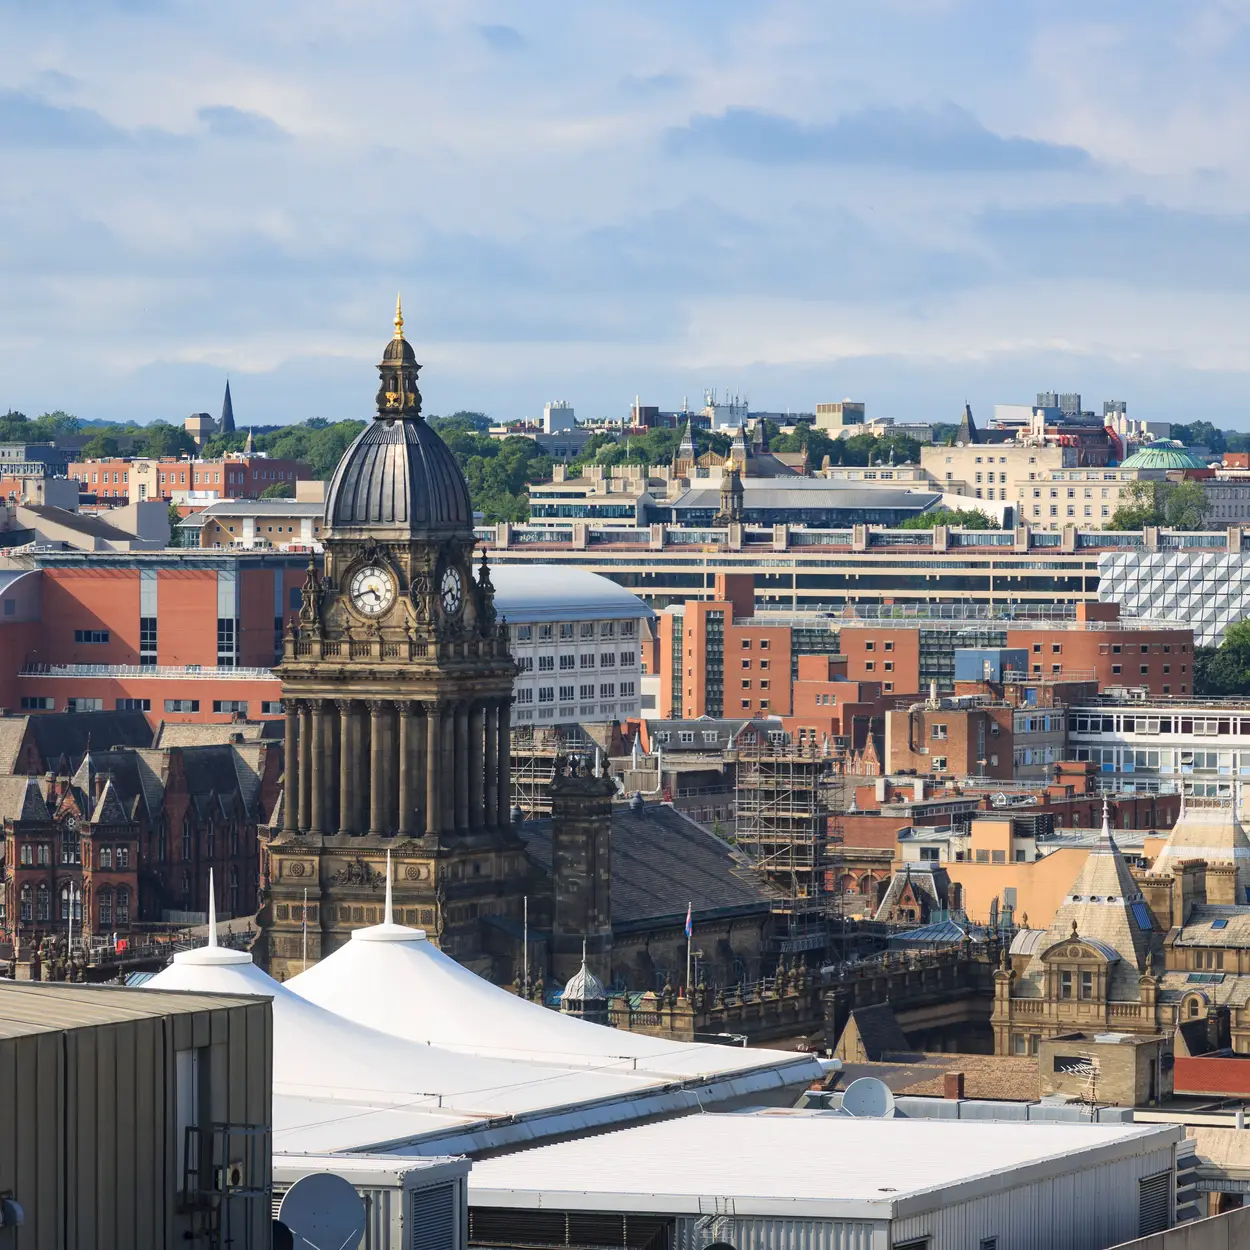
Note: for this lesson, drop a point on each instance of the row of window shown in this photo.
(35, 905)
(91, 635)
(607, 659)
(607, 690)
(39, 854)
(568, 630)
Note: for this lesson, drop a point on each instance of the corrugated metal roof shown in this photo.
(811, 493)
(37, 1007)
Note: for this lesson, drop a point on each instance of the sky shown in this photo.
(915, 203)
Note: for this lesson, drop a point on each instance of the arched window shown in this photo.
(123, 905)
(1193, 1007)
(234, 839)
(43, 903)
(234, 890)
(186, 837)
(104, 906)
(210, 841)
(26, 909)
(161, 848)
(106, 857)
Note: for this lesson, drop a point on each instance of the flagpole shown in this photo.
(305, 928)
(525, 941)
(689, 942)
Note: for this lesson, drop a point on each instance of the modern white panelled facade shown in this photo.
(576, 638)
(1198, 748)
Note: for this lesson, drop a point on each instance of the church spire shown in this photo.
(227, 412)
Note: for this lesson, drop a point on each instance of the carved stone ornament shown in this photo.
(297, 869)
(355, 872)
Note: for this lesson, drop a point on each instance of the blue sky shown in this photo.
(911, 202)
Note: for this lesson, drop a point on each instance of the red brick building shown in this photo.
(109, 839)
(236, 476)
(180, 636)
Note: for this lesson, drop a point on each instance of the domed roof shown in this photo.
(584, 987)
(398, 475)
(1163, 455)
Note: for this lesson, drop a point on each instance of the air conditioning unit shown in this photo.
(411, 1203)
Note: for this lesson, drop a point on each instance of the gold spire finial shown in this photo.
(399, 318)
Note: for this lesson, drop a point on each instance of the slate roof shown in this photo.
(65, 734)
(660, 862)
(187, 734)
(931, 882)
(22, 799)
(12, 732)
(879, 1031)
(79, 522)
(1212, 925)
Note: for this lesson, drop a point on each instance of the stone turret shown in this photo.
(581, 869)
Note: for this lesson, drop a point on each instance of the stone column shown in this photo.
(447, 773)
(477, 775)
(305, 766)
(360, 762)
(491, 791)
(504, 794)
(347, 767)
(403, 710)
(290, 768)
(377, 766)
(318, 824)
(333, 795)
(462, 766)
(420, 735)
(433, 764)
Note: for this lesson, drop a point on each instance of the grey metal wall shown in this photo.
(1087, 1209)
(745, 1233)
(87, 1124)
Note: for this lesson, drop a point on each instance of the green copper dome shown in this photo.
(1163, 455)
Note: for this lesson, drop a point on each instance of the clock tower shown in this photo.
(397, 686)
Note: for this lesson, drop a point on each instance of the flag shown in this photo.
(689, 921)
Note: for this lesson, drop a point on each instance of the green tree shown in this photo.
(1224, 670)
(279, 490)
(163, 439)
(101, 447)
(957, 518)
(1179, 505)
(177, 538)
(1200, 433)
(55, 425)
(1186, 505)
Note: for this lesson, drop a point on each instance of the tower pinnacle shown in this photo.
(399, 317)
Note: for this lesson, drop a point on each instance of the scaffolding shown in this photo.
(785, 823)
(534, 753)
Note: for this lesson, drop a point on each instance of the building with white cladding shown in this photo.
(1209, 590)
(577, 641)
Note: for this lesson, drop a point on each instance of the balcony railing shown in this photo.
(191, 672)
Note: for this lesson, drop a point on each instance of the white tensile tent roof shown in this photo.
(341, 1085)
(393, 979)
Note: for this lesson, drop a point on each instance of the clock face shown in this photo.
(372, 590)
(452, 592)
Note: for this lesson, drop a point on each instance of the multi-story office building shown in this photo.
(577, 643)
(32, 460)
(190, 635)
(903, 570)
(1201, 748)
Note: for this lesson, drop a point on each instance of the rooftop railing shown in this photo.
(192, 672)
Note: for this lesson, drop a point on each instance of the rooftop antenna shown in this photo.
(389, 917)
(212, 911)
(598, 762)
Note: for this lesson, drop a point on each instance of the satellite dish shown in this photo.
(323, 1212)
(868, 1099)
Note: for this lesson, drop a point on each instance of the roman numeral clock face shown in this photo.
(452, 592)
(372, 590)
